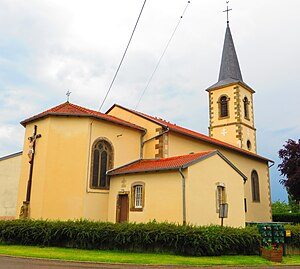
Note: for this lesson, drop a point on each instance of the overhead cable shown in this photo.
(162, 55)
(117, 71)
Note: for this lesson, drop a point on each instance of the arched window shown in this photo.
(102, 161)
(223, 106)
(220, 195)
(246, 107)
(255, 186)
(137, 196)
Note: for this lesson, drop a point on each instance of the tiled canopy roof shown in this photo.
(68, 109)
(196, 135)
(172, 163)
(146, 165)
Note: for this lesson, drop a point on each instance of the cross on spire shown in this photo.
(68, 95)
(227, 10)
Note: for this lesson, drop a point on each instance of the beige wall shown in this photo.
(179, 145)
(163, 196)
(10, 169)
(201, 186)
(149, 149)
(60, 185)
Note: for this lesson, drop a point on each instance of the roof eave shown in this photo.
(221, 145)
(146, 171)
(243, 84)
(138, 114)
(78, 115)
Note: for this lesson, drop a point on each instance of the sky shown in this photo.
(49, 47)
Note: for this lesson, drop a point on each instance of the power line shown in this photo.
(114, 78)
(162, 55)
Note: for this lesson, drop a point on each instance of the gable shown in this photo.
(71, 110)
(172, 163)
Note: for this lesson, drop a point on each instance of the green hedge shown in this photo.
(286, 217)
(152, 236)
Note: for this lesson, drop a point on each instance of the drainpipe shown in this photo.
(144, 142)
(183, 198)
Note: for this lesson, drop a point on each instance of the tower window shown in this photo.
(255, 186)
(102, 157)
(248, 144)
(223, 106)
(246, 107)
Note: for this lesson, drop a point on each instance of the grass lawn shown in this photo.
(135, 258)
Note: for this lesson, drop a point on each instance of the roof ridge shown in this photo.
(192, 133)
(77, 110)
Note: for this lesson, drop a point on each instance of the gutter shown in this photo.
(183, 197)
(154, 137)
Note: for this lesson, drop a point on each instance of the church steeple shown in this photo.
(231, 116)
(230, 68)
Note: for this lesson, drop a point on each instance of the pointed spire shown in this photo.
(230, 68)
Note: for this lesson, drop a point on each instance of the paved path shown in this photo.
(7, 262)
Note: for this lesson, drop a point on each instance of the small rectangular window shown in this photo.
(138, 197)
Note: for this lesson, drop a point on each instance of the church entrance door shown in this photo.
(122, 208)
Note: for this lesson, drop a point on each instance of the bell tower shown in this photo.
(231, 115)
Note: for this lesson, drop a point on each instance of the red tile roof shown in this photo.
(176, 162)
(68, 109)
(184, 131)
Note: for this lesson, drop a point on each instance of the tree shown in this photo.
(290, 168)
(280, 207)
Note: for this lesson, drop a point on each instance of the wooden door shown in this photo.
(122, 208)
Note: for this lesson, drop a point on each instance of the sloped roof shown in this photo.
(69, 109)
(196, 135)
(171, 163)
(230, 72)
(11, 155)
(230, 67)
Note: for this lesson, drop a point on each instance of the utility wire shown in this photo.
(162, 55)
(114, 78)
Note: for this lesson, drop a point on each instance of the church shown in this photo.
(124, 165)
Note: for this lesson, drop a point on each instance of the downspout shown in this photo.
(183, 197)
(89, 157)
(144, 142)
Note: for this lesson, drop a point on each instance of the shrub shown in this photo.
(286, 217)
(152, 236)
(294, 240)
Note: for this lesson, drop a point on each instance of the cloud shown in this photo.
(51, 46)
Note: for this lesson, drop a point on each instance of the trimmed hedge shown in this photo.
(152, 236)
(286, 217)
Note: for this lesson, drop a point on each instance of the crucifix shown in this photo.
(227, 10)
(24, 212)
(31, 152)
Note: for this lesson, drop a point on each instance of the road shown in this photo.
(7, 262)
